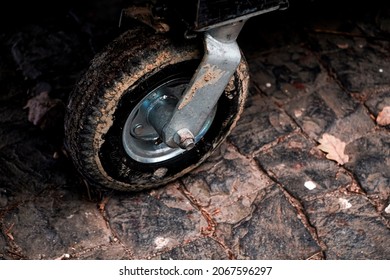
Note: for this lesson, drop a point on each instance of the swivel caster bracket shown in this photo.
(220, 61)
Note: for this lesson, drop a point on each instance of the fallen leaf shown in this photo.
(343, 45)
(10, 236)
(8, 232)
(334, 148)
(383, 117)
(41, 109)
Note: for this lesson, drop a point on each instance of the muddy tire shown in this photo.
(115, 86)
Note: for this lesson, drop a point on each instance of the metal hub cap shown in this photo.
(141, 138)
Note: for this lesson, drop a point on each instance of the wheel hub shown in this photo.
(142, 132)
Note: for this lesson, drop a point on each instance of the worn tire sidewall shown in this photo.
(129, 61)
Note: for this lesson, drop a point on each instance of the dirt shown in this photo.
(268, 192)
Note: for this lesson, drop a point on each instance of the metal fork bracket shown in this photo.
(220, 61)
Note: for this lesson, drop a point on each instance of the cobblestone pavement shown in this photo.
(304, 175)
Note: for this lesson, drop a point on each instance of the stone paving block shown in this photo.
(330, 18)
(28, 167)
(172, 196)
(286, 73)
(261, 122)
(111, 251)
(226, 185)
(224, 189)
(376, 23)
(199, 249)
(238, 203)
(378, 101)
(275, 35)
(9, 89)
(382, 21)
(14, 127)
(4, 197)
(352, 127)
(274, 231)
(44, 51)
(332, 111)
(358, 66)
(55, 223)
(370, 162)
(312, 114)
(147, 226)
(3, 246)
(301, 168)
(350, 227)
(13, 116)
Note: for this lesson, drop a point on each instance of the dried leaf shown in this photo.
(383, 117)
(39, 108)
(343, 45)
(334, 148)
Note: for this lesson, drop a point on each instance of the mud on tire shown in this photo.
(116, 81)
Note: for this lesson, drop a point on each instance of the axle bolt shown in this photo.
(185, 139)
(138, 129)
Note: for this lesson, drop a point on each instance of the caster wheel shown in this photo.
(108, 135)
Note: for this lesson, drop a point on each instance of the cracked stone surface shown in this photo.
(199, 249)
(146, 226)
(296, 162)
(351, 221)
(373, 179)
(274, 231)
(268, 192)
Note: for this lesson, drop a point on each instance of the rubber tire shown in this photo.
(116, 81)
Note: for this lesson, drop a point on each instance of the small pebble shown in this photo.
(310, 185)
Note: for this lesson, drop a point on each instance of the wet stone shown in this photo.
(28, 166)
(312, 115)
(376, 22)
(226, 185)
(358, 66)
(383, 21)
(330, 110)
(335, 21)
(12, 113)
(286, 73)
(14, 127)
(353, 126)
(47, 51)
(350, 227)
(172, 196)
(274, 231)
(2, 247)
(260, 123)
(199, 249)
(112, 251)
(7, 198)
(146, 226)
(370, 162)
(3, 198)
(8, 76)
(277, 35)
(228, 207)
(56, 223)
(378, 100)
(301, 168)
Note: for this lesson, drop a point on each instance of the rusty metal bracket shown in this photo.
(221, 59)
